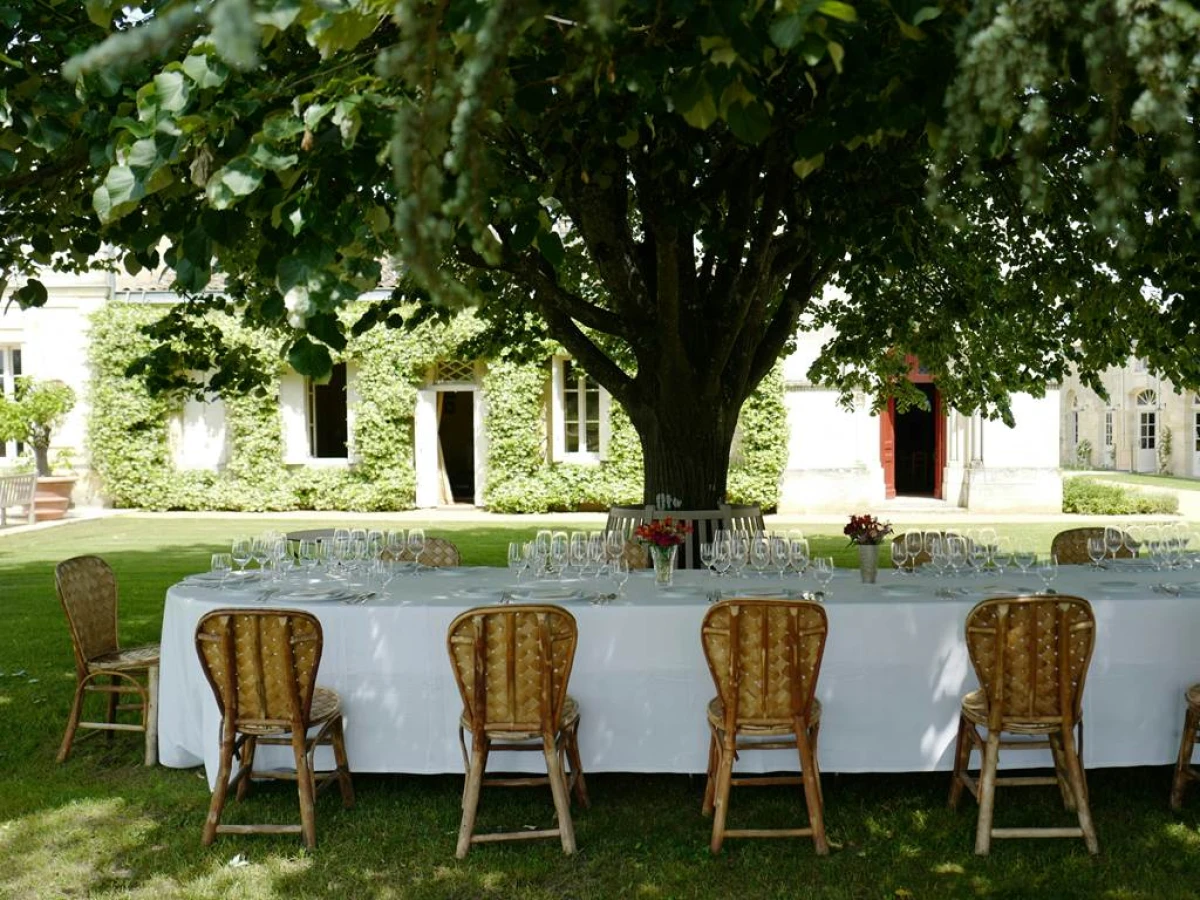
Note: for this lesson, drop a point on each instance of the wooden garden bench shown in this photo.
(17, 491)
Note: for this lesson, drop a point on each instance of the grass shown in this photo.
(1169, 482)
(103, 826)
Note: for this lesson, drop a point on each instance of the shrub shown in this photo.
(1095, 498)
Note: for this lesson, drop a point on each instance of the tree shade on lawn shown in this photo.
(664, 192)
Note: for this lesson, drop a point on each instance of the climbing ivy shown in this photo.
(130, 446)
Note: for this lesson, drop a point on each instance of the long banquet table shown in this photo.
(894, 671)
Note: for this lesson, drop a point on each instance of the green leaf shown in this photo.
(805, 167)
(31, 294)
(204, 72)
(172, 91)
(270, 158)
(552, 248)
(118, 195)
(837, 53)
(280, 14)
(837, 10)
(143, 154)
(326, 327)
(749, 122)
(239, 178)
(309, 358)
(8, 162)
(281, 125)
(786, 32)
(341, 31)
(925, 14)
(100, 12)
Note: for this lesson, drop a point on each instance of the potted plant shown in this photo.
(31, 415)
(867, 533)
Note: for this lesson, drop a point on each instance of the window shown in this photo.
(1075, 428)
(1196, 437)
(1147, 426)
(1108, 428)
(10, 369)
(328, 434)
(580, 414)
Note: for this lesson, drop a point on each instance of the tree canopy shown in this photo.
(999, 190)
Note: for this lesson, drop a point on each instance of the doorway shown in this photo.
(456, 445)
(912, 447)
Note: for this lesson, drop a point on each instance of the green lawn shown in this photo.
(1170, 482)
(101, 825)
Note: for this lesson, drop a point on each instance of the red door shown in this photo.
(887, 448)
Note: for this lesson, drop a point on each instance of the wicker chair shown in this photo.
(262, 666)
(87, 590)
(1183, 766)
(439, 553)
(512, 665)
(1070, 546)
(765, 657)
(1031, 655)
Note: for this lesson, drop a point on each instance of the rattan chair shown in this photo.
(765, 657)
(1183, 766)
(262, 666)
(1031, 655)
(87, 589)
(1070, 546)
(439, 553)
(512, 665)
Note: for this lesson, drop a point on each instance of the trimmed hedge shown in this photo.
(1096, 498)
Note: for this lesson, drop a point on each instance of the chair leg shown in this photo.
(304, 786)
(72, 722)
(1187, 744)
(345, 783)
(814, 733)
(246, 761)
(987, 794)
(470, 801)
(151, 713)
(1061, 773)
(113, 702)
(1079, 786)
(962, 761)
(571, 739)
(812, 791)
(710, 781)
(562, 802)
(721, 798)
(217, 805)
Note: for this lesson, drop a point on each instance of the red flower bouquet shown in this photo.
(663, 532)
(867, 530)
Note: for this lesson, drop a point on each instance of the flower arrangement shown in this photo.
(663, 532)
(867, 530)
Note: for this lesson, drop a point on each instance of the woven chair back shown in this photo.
(261, 664)
(439, 553)
(1070, 546)
(1031, 656)
(512, 665)
(87, 589)
(765, 657)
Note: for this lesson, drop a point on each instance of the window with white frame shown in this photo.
(10, 370)
(328, 431)
(579, 415)
(1147, 420)
(1108, 428)
(1196, 437)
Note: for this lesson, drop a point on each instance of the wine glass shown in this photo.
(798, 551)
(823, 571)
(517, 561)
(939, 555)
(577, 552)
(597, 555)
(620, 574)
(416, 544)
(1096, 550)
(1047, 570)
(1002, 556)
(341, 534)
(760, 554)
(956, 553)
(241, 552)
(914, 544)
(780, 554)
(260, 551)
(722, 559)
(739, 551)
(560, 549)
(221, 565)
(1024, 555)
(1114, 539)
(708, 555)
(900, 556)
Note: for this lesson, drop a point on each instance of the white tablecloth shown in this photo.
(894, 672)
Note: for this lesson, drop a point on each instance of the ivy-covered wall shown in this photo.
(128, 434)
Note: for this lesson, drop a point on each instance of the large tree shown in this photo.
(1001, 190)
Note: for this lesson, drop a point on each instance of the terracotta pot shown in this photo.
(53, 497)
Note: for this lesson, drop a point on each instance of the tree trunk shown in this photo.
(41, 459)
(685, 447)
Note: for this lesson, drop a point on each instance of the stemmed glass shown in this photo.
(416, 544)
(780, 554)
(1047, 570)
(798, 552)
(1002, 556)
(939, 555)
(578, 553)
(242, 552)
(518, 559)
(760, 554)
(823, 572)
(1024, 556)
(620, 574)
(708, 555)
(560, 550)
(597, 556)
(722, 559)
(260, 551)
(222, 565)
(1096, 551)
(900, 556)
(1113, 540)
(739, 551)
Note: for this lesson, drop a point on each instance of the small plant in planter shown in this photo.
(32, 414)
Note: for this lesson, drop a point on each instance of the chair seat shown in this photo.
(325, 705)
(122, 660)
(570, 715)
(1193, 695)
(975, 708)
(716, 717)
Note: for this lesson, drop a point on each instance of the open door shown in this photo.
(887, 448)
(912, 444)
